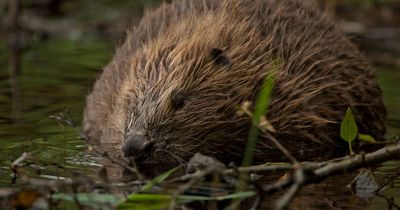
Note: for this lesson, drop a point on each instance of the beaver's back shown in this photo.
(320, 74)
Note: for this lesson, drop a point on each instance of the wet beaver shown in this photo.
(173, 86)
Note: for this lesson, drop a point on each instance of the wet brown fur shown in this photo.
(214, 55)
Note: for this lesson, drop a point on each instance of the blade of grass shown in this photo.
(158, 179)
(260, 110)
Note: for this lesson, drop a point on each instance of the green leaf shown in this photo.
(99, 201)
(158, 179)
(348, 127)
(366, 137)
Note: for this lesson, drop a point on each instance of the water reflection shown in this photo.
(56, 74)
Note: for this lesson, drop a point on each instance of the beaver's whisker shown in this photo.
(176, 157)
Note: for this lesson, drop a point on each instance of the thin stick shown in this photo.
(15, 54)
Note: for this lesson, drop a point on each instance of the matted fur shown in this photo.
(169, 55)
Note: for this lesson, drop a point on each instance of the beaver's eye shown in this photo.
(218, 56)
(178, 101)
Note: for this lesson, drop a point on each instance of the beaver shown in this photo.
(173, 87)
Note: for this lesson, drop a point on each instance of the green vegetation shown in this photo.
(349, 130)
(260, 110)
(158, 201)
(158, 180)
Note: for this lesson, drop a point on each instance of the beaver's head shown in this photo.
(180, 92)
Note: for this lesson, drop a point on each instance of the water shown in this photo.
(56, 76)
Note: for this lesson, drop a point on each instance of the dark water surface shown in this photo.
(58, 74)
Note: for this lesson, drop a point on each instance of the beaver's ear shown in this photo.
(218, 56)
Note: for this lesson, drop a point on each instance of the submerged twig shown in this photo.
(299, 177)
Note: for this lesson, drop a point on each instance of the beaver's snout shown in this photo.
(137, 146)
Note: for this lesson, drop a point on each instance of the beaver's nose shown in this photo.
(137, 146)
